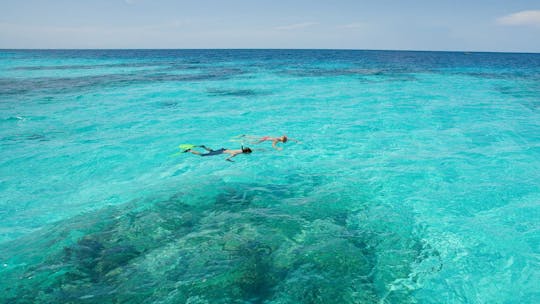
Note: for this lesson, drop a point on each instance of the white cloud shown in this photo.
(43, 36)
(531, 17)
(295, 26)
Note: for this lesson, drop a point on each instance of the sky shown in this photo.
(450, 25)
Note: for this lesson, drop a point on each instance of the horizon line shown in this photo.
(247, 49)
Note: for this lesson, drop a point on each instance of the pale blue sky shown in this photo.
(480, 25)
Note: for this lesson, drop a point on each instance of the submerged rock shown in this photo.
(247, 246)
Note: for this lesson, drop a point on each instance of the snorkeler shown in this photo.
(211, 152)
(275, 140)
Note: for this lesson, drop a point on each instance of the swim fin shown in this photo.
(186, 147)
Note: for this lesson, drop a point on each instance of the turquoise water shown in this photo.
(416, 179)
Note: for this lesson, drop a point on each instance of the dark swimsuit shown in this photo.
(214, 152)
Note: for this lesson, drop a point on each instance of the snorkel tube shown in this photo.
(245, 150)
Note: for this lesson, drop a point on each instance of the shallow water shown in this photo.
(416, 179)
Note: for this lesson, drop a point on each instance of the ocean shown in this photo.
(415, 178)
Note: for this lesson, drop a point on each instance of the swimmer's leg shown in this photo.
(194, 152)
(262, 139)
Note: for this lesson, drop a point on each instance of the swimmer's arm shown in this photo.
(232, 155)
(274, 142)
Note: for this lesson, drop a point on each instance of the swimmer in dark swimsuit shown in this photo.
(211, 152)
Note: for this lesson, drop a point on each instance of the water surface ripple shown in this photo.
(416, 179)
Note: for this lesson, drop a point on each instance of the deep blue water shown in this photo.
(416, 178)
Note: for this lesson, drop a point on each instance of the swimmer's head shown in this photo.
(246, 150)
(284, 138)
